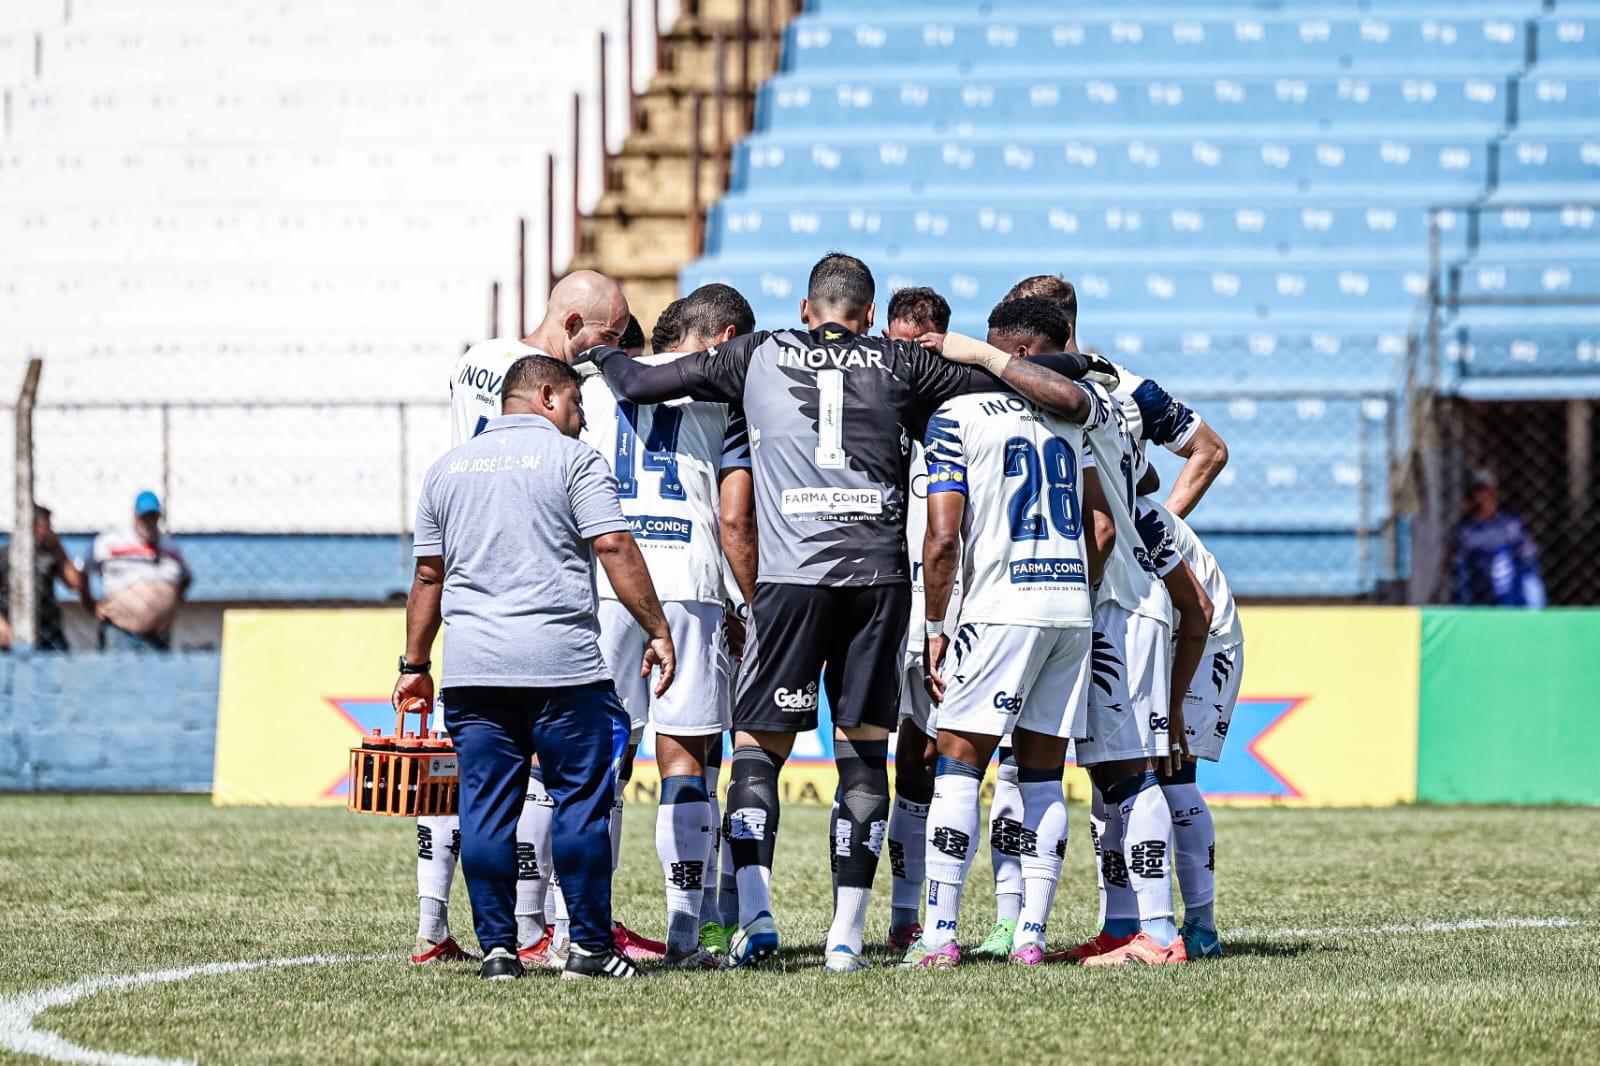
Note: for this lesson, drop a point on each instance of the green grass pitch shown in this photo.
(111, 886)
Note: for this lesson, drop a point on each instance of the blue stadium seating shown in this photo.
(1241, 192)
(1044, 97)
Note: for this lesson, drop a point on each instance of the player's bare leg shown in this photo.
(862, 756)
(686, 843)
(914, 758)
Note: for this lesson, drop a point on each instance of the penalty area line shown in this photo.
(18, 1010)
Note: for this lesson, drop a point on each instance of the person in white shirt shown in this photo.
(143, 578)
(584, 309)
(673, 462)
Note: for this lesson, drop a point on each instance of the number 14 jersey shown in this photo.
(667, 459)
(1024, 560)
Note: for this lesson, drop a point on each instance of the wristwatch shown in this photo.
(933, 629)
(414, 668)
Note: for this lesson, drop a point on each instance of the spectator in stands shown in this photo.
(632, 340)
(1494, 563)
(50, 564)
(143, 578)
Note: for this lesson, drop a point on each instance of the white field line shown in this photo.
(18, 1010)
(1468, 925)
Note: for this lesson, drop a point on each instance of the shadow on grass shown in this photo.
(1273, 949)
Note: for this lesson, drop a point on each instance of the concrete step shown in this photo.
(647, 244)
(656, 181)
(664, 118)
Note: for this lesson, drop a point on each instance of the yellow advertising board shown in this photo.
(1327, 717)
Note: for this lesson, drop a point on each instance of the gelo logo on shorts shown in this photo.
(1158, 723)
(661, 527)
(1006, 702)
(798, 700)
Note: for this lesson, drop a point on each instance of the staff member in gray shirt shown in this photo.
(508, 527)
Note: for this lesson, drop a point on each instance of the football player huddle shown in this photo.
(957, 542)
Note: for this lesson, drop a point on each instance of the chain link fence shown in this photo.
(1506, 380)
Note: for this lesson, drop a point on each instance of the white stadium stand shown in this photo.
(271, 202)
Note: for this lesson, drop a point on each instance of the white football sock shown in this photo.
(560, 919)
(1146, 849)
(1097, 834)
(438, 847)
(908, 842)
(1005, 834)
(952, 841)
(616, 825)
(708, 898)
(754, 892)
(849, 917)
(533, 862)
(1194, 838)
(1044, 843)
(683, 840)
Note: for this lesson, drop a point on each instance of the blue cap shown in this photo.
(147, 503)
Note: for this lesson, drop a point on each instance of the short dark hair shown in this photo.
(1053, 287)
(531, 371)
(633, 336)
(920, 306)
(841, 282)
(1031, 316)
(712, 308)
(668, 334)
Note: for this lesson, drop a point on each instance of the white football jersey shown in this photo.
(475, 385)
(666, 459)
(1153, 415)
(1023, 560)
(916, 526)
(1225, 628)
(1143, 553)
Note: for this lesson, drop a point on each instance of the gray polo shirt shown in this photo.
(512, 512)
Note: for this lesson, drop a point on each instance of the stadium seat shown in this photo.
(982, 36)
(909, 101)
(755, 223)
(860, 160)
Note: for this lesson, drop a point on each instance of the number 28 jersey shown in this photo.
(1023, 555)
(666, 459)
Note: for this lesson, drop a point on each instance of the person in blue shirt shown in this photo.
(1494, 563)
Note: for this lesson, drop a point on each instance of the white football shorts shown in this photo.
(698, 703)
(999, 678)
(1208, 705)
(1128, 703)
(915, 703)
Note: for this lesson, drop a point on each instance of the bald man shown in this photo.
(585, 309)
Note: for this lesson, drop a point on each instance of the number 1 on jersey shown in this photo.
(830, 420)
